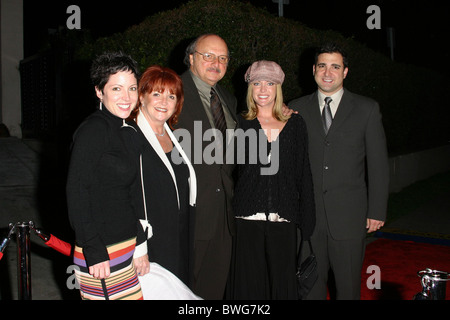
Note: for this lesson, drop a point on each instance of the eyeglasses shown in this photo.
(211, 57)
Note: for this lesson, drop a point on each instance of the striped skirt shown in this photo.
(122, 284)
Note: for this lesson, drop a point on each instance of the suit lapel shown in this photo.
(192, 99)
(224, 95)
(314, 113)
(151, 138)
(344, 109)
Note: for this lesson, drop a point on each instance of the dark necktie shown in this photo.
(326, 115)
(217, 112)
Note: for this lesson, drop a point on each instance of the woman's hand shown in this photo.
(142, 265)
(100, 270)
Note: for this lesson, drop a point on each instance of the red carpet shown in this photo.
(399, 261)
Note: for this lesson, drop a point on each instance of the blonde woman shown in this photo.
(270, 207)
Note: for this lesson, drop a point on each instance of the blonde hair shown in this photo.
(252, 109)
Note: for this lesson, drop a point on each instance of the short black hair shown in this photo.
(331, 47)
(109, 63)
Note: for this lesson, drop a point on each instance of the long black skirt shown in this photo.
(264, 261)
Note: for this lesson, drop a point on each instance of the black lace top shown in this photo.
(282, 185)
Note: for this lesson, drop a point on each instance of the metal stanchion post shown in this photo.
(23, 260)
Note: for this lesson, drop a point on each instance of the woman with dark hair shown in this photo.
(102, 186)
(168, 178)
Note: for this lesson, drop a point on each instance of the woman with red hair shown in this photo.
(167, 176)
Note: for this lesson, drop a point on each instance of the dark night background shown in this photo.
(421, 33)
(421, 28)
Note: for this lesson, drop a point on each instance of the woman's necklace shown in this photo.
(264, 119)
(160, 134)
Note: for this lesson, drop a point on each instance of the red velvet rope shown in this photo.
(59, 245)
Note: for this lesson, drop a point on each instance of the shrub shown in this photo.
(403, 91)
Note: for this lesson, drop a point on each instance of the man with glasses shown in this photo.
(207, 58)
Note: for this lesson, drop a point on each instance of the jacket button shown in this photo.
(218, 190)
(325, 167)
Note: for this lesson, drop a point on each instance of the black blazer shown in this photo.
(214, 181)
(349, 165)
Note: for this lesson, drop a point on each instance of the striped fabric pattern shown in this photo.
(122, 284)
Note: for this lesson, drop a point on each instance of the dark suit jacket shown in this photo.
(214, 181)
(350, 165)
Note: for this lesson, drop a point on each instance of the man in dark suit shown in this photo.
(207, 58)
(349, 164)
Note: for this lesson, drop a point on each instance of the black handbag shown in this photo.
(306, 274)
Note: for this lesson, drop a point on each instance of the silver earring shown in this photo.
(100, 105)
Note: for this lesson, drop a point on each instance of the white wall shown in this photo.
(409, 168)
(11, 47)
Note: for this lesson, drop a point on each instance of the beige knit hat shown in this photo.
(264, 70)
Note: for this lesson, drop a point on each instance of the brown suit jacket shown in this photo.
(214, 181)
